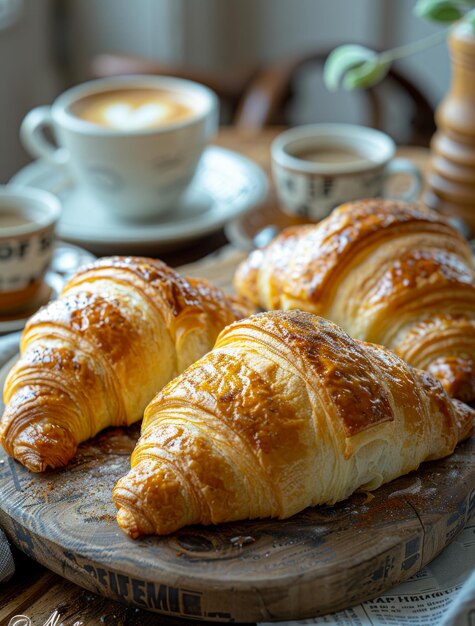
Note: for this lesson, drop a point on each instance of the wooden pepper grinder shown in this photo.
(451, 176)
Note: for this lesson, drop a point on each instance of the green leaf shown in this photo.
(342, 60)
(367, 74)
(438, 10)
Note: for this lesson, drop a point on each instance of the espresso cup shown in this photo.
(133, 142)
(320, 166)
(27, 224)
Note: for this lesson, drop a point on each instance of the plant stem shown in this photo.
(418, 46)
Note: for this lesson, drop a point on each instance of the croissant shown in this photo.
(121, 329)
(287, 411)
(387, 272)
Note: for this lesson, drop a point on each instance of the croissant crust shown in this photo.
(287, 411)
(122, 328)
(387, 272)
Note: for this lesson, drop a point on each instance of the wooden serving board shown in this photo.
(322, 560)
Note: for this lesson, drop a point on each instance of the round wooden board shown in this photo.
(322, 560)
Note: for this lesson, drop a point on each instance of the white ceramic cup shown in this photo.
(26, 247)
(135, 173)
(313, 189)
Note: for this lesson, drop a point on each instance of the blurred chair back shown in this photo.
(274, 90)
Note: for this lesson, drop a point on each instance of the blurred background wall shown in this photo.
(47, 45)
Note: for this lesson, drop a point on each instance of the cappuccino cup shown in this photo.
(27, 225)
(320, 166)
(132, 142)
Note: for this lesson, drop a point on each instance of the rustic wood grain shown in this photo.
(39, 593)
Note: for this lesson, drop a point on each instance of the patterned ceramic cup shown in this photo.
(136, 172)
(27, 223)
(321, 166)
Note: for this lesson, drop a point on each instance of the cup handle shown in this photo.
(404, 166)
(34, 140)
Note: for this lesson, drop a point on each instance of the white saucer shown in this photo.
(225, 186)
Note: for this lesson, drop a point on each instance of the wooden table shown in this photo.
(37, 592)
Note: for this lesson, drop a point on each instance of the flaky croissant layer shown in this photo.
(287, 411)
(387, 272)
(122, 328)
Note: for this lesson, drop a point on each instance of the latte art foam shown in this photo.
(131, 109)
(122, 115)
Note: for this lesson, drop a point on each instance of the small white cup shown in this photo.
(135, 173)
(25, 248)
(312, 189)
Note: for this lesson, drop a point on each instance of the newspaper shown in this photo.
(441, 594)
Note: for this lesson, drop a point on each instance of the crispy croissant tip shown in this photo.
(42, 446)
(127, 521)
(466, 421)
(30, 459)
(457, 375)
(151, 499)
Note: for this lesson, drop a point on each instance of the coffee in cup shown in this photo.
(132, 109)
(330, 154)
(132, 142)
(27, 224)
(320, 166)
(12, 217)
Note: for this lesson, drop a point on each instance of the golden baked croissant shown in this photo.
(287, 411)
(387, 272)
(122, 328)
